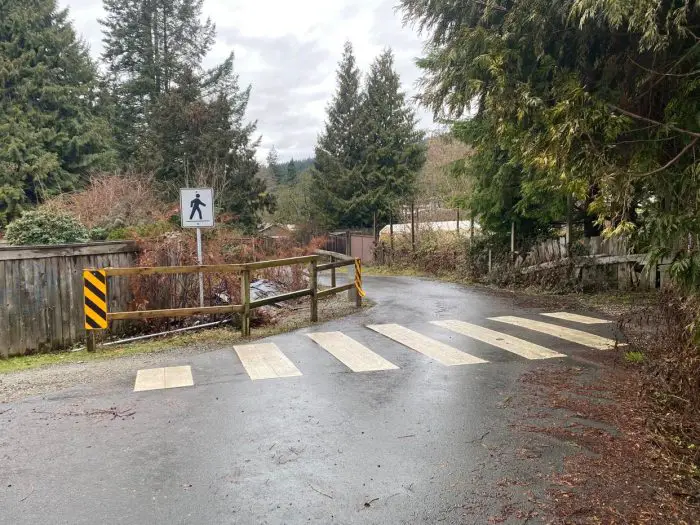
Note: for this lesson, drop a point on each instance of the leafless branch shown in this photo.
(692, 73)
(652, 121)
(671, 162)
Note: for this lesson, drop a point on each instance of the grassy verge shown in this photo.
(329, 309)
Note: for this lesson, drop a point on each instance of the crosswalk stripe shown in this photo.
(352, 354)
(576, 318)
(265, 361)
(440, 352)
(160, 378)
(506, 342)
(568, 334)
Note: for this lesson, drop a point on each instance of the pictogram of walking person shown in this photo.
(195, 205)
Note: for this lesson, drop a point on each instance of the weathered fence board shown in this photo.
(41, 299)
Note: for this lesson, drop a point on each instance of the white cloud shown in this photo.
(289, 52)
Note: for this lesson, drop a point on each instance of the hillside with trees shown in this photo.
(147, 107)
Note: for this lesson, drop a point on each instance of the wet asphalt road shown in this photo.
(422, 444)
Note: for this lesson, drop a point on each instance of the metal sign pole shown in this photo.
(199, 259)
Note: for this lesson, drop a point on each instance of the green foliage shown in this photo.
(394, 150)
(634, 357)
(339, 148)
(294, 202)
(370, 152)
(147, 46)
(599, 99)
(51, 130)
(36, 227)
(145, 231)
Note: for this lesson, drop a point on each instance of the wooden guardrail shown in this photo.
(96, 282)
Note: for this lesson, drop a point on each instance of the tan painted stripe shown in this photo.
(568, 334)
(178, 376)
(506, 342)
(265, 361)
(150, 379)
(436, 350)
(95, 282)
(160, 378)
(352, 354)
(98, 302)
(576, 318)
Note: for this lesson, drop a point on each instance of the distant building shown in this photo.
(444, 226)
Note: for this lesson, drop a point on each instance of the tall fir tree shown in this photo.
(273, 165)
(395, 150)
(340, 148)
(51, 132)
(291, 175)
(147, 45)
(192, 135)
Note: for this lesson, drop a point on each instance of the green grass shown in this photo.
(634, 357)
(217, 335)
(206, 337)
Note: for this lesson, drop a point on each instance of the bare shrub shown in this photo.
(111, 201)
(221, 246)
(666, 334)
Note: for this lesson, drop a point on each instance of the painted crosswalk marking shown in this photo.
(352, 354)
(576, 318)
(506, 342)
(568, 334)
(436, 350)
(265, 361)
(160, 378)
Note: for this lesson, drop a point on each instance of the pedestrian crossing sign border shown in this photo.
(197, 207)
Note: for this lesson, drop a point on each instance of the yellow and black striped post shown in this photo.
(95, 293)
(358, 283)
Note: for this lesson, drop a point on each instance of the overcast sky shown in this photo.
(289, 52)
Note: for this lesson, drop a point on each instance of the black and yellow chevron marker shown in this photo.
(95, 292)
(358, 277)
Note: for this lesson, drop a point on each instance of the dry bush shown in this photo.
(444, 254)
(220, 246)
(111, 201)
(666, 334)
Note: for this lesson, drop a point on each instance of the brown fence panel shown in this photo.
(362, 247)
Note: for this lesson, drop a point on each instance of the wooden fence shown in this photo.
(245, 271)
(597, 261)
(41, 293)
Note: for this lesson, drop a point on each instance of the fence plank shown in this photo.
(4, 308)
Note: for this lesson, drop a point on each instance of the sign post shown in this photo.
(197, 211)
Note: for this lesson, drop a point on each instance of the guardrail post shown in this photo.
(90, 342)
(358, 283)
(245, 301)
(332, 273)
(313, 284)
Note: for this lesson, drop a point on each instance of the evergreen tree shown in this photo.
(339, 148)
(147, 45)
(595, 99)
(192, 134)
(273, 165)
(51, 132)
(394, 151)
(291, 172)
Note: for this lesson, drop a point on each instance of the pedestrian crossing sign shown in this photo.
(197, 207)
